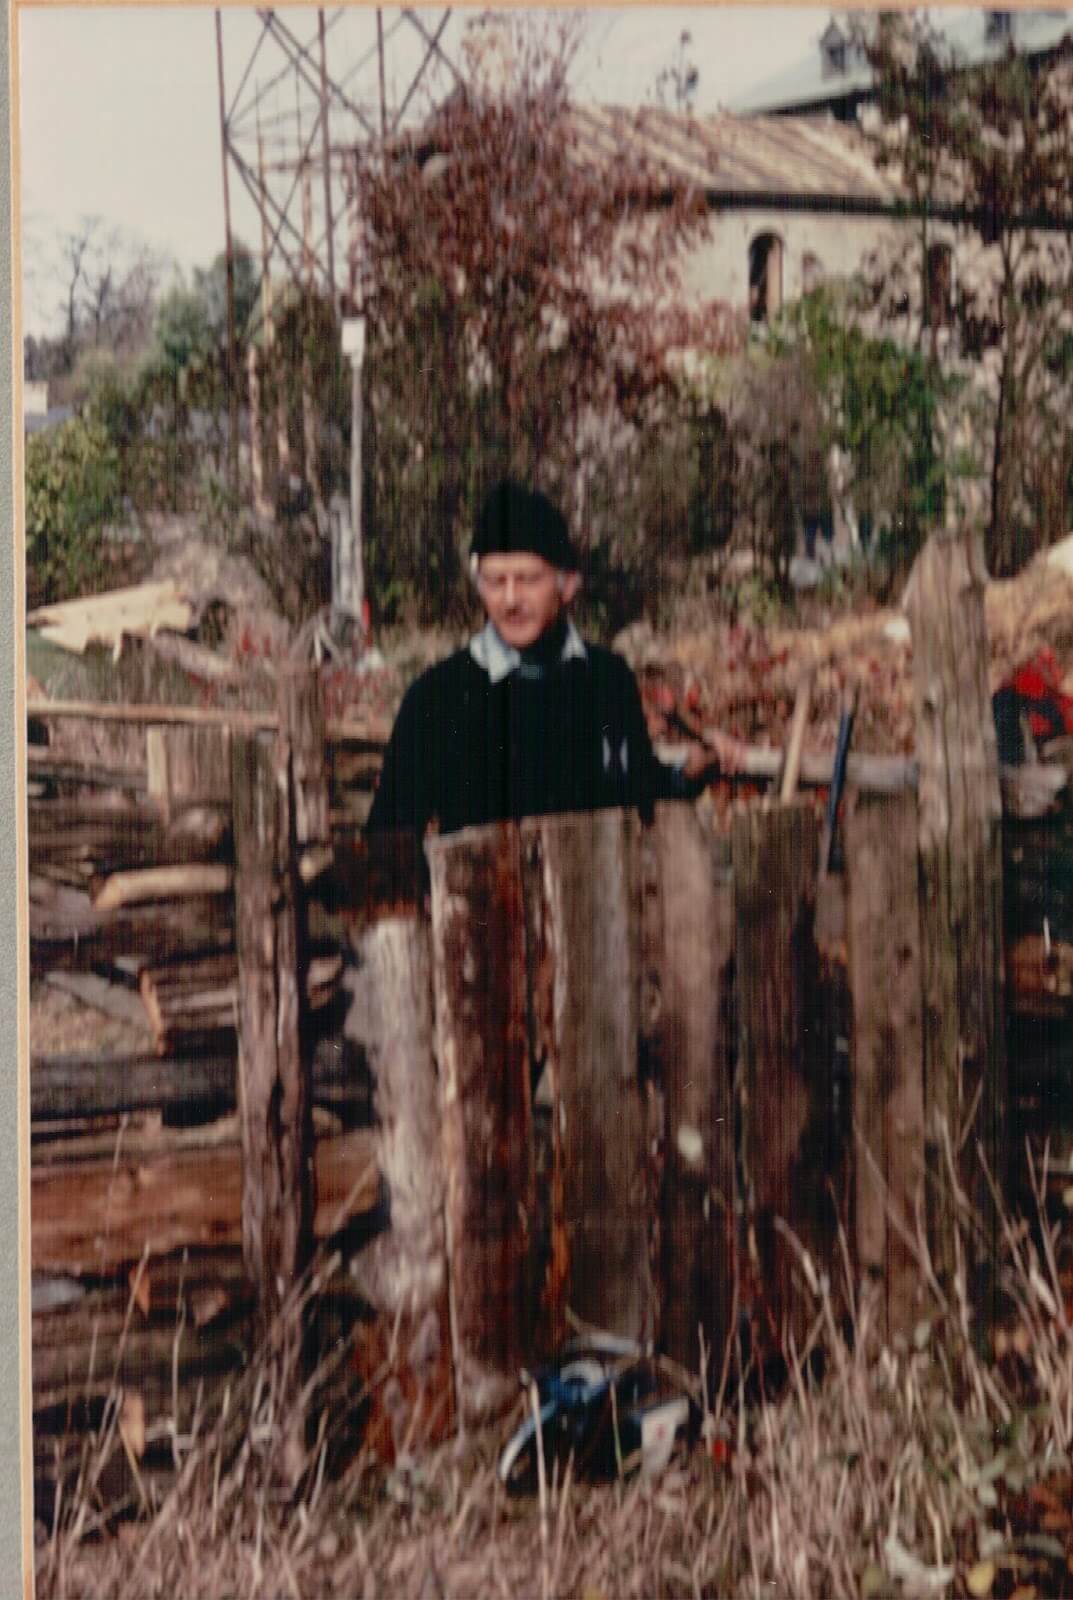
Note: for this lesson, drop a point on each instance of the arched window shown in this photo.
(811, 272)
(765, 277)
(940, 286)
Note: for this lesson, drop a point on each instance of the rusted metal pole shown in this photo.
(380, 55)
(231, 370)
(329, 223)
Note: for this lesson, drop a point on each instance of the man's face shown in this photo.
(523, 595)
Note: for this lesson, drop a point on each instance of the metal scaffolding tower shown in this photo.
(312, 87)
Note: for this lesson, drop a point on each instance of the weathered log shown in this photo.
(795, 744)
(93, 990)
(582, 876)
(161, 883)
(166, 1324)
(482, 1045)
(66, 1087)
(403, 1272)
(273, 1103)
(871, 773)
(122, 833)
(789, 1150)
(887, 1049)
(371, 731)
(67, 930)
(188, 765)
(960, 840)
(302, 725)
(72, 1087)
(94, 1215)
(56, 765)
(694, 1059)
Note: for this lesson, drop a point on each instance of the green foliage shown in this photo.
(492, 349)
(994, 140)
(879, 402)
(182, 332)
(73, 489)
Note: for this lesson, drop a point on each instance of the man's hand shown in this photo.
(719, 753)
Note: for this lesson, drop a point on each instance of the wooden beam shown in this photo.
(273, 1104)
(74, 1087)
(694, 1056)
(884, 958)
(960, 842)
(482, 1044)
(582, 878)
(95, 1215)
(354, 730)
(182, 882)
(790, 1155)
(403, 1272)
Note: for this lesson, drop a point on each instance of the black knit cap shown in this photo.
(514, 519)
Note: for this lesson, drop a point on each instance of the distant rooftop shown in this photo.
(836, 75)
(802, 159)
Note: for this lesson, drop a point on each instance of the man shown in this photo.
(528, 718)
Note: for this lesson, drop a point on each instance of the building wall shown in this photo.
(35, 398)
(719, 269)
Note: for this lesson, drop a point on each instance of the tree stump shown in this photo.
(960, 838)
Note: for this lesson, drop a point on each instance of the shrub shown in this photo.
(73, 490)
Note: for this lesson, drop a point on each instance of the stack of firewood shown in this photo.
(117, 871)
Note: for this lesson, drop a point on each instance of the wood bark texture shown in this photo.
(403, 1272)
(273, 1099)
(482, 1046)
(694, 1051)
(887, 1050)
(582, 879)
(789, 1149)
(91, 1215)
(960, 840)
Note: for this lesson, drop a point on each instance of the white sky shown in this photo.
(119, 111)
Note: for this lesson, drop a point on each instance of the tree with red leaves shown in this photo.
(522, 284)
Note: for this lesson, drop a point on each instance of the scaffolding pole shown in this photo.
(232, 352)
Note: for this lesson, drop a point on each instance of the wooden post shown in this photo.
(789, 1150)
(403, 1272)
(232, 368)
(479, 968)
(188, 766)
(960, 821)
(582, 877)
(883, 924)
(274, 1099)
(695, 1063)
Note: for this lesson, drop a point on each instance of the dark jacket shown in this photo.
(467, 751)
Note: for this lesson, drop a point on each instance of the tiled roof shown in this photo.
(790, 157)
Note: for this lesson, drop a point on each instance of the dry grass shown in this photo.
(913, 1469)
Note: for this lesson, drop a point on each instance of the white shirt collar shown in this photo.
(499, 659)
